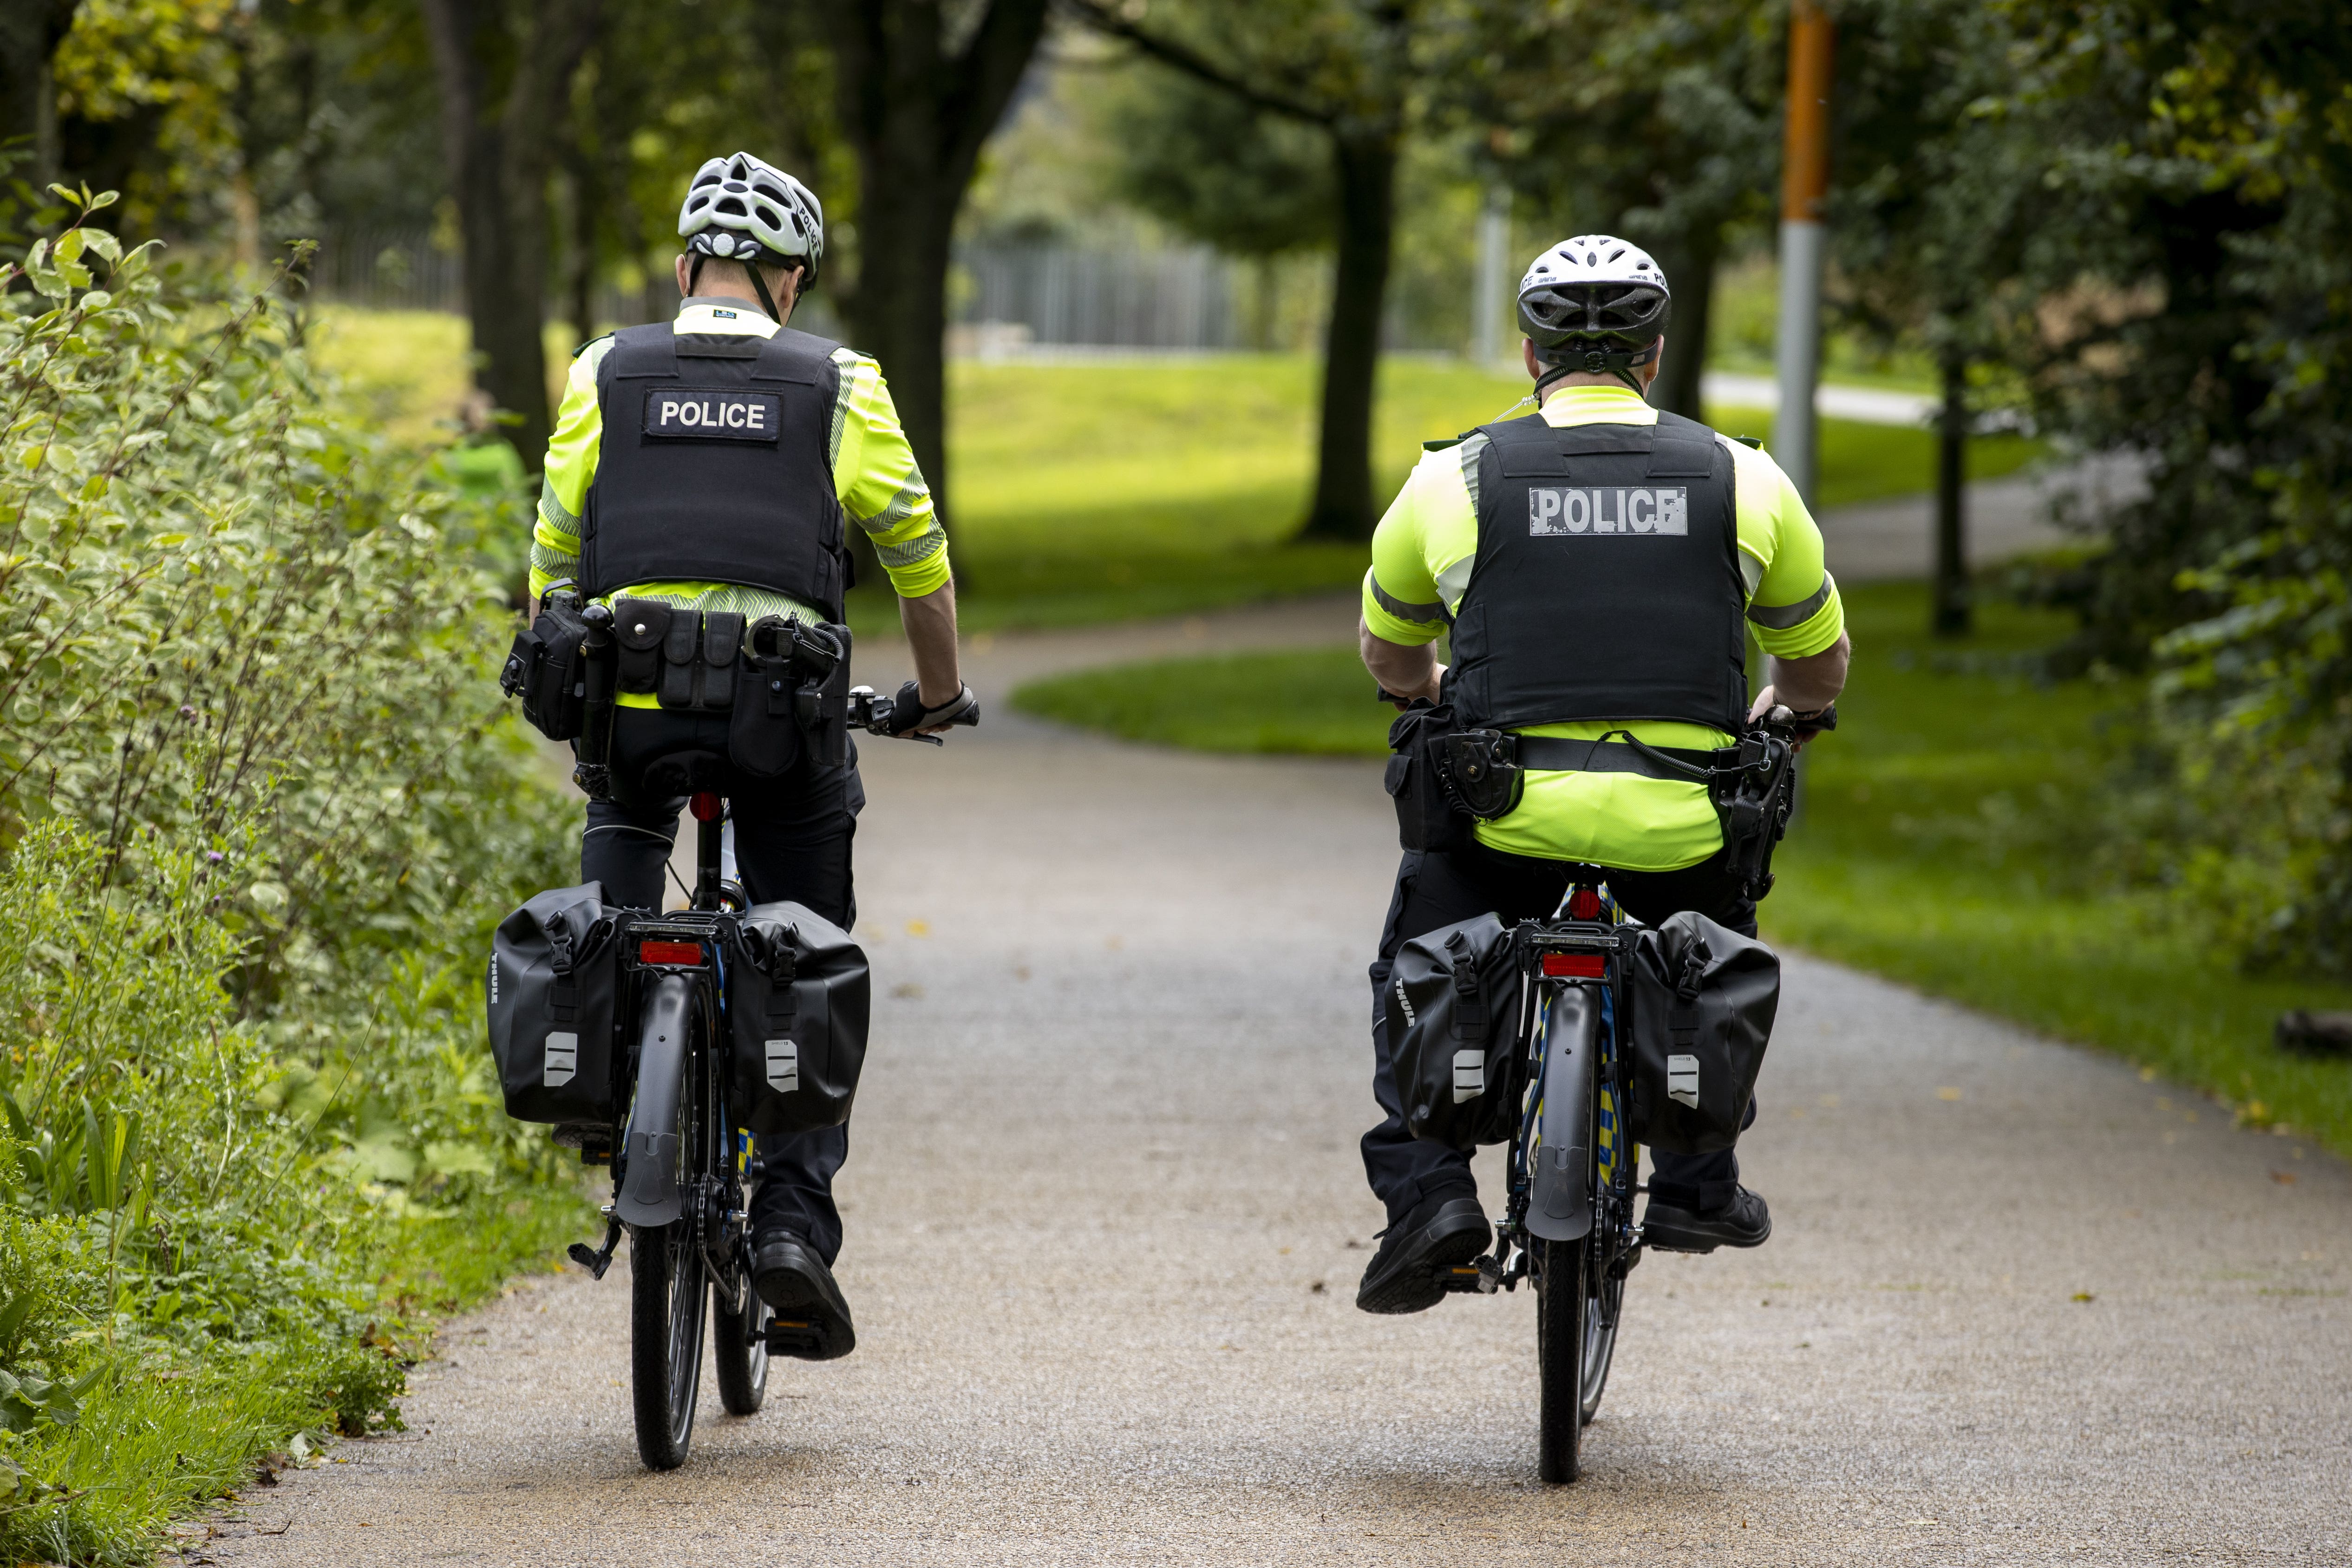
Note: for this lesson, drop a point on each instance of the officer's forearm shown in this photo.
(930, 624)
(1811, 683)
(1404, 671)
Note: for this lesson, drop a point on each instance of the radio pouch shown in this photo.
(548, 668)
(1427, 818)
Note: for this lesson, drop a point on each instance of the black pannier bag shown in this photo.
(1453, 1005)
(548, 669)
(797, 1004)
(554, 970)
(1699, 1002)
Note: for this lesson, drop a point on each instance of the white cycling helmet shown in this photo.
(1594, 303)
(745, 209)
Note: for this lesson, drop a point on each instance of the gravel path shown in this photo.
(1106, 1220)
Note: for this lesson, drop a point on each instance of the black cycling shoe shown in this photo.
(1442, 1232)
(1744, 1221)
(811, 1319)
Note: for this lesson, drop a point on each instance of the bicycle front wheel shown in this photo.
(668, 1307)
(1561, 1313)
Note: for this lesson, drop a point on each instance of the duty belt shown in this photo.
(1554, 753)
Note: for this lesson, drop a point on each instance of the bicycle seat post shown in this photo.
(709, 813)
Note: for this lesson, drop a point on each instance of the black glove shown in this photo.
(908, 712)
(1809, 725)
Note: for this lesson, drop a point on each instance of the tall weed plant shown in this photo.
(260, 807)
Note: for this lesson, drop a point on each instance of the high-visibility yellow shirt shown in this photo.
(874, 477)
(1421, 556)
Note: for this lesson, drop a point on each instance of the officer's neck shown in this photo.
(752, 305)
(1583, 379)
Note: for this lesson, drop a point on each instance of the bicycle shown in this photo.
(1568, 1222)
(681, 1165)
(1568, 1217)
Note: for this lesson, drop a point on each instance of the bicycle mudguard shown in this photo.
(1559, 1199)
(649, 1194)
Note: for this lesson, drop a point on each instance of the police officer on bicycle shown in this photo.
(699, 480)
(1584, 598)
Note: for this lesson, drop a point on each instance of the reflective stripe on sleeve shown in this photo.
(1416, 614)
(1785, 617)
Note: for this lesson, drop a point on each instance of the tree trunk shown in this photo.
(1691, 272)
(1344, 506)
(1952, 615)
(918, 117)
(898, 315)
(498, 158)
(30, 32)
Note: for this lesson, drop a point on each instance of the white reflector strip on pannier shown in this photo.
(1469, 1075)
(562, 1060)
(1682, 1080)
(784, 1065)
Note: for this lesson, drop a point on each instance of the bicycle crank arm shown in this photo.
(599, 1259)
(650, 1195)
(1559, 1200)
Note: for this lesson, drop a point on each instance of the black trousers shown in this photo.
(1439, 889)
(793, 839)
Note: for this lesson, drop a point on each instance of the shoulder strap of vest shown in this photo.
(1680, 449)
(646, 350)
(802, 357)
(1525, 447)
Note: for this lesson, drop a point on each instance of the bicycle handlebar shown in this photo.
(871, 712)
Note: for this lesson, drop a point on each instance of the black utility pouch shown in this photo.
(797, 1004)
(681, 652)
(722, 641)
(640, 626)
(548, 668)
(1427, 819)
(792, 691)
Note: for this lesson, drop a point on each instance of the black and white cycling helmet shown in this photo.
(1594, 303)
(745, 209)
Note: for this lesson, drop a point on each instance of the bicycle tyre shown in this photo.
(1604, 1301)
(1560, 1304)
(741, 1366)
(667, 1298)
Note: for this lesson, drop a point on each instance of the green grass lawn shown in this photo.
(1093, 492)
(1946, 841)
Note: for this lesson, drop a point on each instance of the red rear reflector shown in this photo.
(1584, 904)
(669, 952)
(1573, 965)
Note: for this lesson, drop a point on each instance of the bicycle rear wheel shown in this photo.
(667, 1312)
(1561, 1312)
(741, 1355)
(1603, 1299)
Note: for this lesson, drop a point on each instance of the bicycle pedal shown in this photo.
(597, 1259)
(1484, 1276)
(791, 1339)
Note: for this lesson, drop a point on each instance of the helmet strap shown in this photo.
(767, 301)
(1618, 364)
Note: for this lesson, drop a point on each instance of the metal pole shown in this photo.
(1494, 276)
(1805, 180)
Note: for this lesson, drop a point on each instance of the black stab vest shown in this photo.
(716, 466)
(1607, 582)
